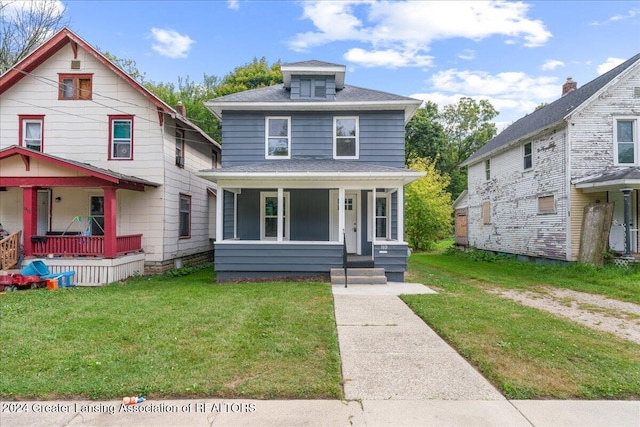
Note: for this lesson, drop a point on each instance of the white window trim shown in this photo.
(370, 206)
(533, 162)
(636, 143)
(24, 131)
(266, 138)
(335, 137)
(287, 200)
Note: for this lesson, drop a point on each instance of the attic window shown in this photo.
(75, 86)
(313, 88)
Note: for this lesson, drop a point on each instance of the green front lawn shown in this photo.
(527, 353)
(170, 337)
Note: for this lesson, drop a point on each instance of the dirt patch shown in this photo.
(595, 311)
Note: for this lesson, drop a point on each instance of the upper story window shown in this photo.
(345, 138)
(625, 138)
(31, 132)
(214, 159)
(487, 169)
(278, 138)
(121, 137)
(528, 155)
(180, 148)
(75, 86)
(313, 88)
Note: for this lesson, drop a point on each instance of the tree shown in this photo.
(129, 66)
(253, 75)
(25, 25)
(425, 136)
(428, 209)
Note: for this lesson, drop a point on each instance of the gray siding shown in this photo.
(249, 214)
(276, 258)
(309, 215)
(381, 136)
(393, 258)
(228, 219)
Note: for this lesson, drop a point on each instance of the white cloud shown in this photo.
(467, 54)
(410, 27)
(631, 14)
(171, 43)
(609, 64)
(551, 64)
(387, 58)
(233, 4)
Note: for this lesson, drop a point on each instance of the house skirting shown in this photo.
(159, 267)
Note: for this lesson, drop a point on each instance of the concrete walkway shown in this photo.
(397, 372)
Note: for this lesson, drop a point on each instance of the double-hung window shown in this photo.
(345, 138)
(278, 138)
(75, 86)
(487, 169)
(313, 88)
(31, 133)
(382, 211)
(185, 217)
(180, 148)
(625, 137)
(527, 155)
(269, 216)
(121, 137)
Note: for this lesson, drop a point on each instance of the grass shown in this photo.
(527, 353)
(170, 337)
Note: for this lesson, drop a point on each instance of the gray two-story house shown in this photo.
(311, 166)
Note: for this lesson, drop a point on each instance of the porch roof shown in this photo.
(312, 169)
(100, 176)
(625, 177)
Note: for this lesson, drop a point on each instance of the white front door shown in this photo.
(43, 212)
(616, 237)
(351, 221)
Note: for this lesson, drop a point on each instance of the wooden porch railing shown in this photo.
(9, 250)
(83, 245)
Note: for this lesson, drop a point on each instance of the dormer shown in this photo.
(313, 80)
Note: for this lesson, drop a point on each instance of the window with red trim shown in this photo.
(120, 137)
(185, 216)
(31, 132)
(75, 86)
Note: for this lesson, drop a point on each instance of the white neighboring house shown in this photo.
(80, 138)
(528, 187)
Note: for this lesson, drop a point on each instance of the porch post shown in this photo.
(29, 217)
(626, 192)
(281, 214)
(219, 211)
(400, 213)
(110, 209)
(341, 222)
(373, 220)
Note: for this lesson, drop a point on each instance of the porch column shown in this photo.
(341, 220)
(219, 216)
(373, 221)
(110, 210)
(29, 217)
(280, 214)
(626, 193)
(400, 213)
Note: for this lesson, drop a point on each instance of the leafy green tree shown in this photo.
(25, 25)
(253, 75)
(428, 209)
(129, 66)
(425, 136)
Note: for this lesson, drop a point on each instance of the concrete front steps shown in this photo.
(359, 276)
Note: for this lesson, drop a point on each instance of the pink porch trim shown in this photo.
(84, 245)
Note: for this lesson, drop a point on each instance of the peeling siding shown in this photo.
(516, 226)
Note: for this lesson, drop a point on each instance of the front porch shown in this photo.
(68, 246)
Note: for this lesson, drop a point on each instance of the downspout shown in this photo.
(568, 195)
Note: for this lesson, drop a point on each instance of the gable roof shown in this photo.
(551, 114)
(61, 39)
(107, 175)
(277, 97)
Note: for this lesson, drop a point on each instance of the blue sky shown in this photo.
(516, 54)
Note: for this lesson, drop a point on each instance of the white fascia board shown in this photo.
(267, 178)
(408, 106)
(337, 70)
(633, 183)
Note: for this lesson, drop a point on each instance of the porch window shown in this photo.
(382, 218)
(185, 216)
(487, 169)
(121, 137)
(75, 86)
(269, 216)
(278, 138)
(345, 141)
(180, 148)
(528, 155)
(626, 142)
(31, 132)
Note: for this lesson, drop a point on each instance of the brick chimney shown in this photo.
(569, 86)
(181, 110)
